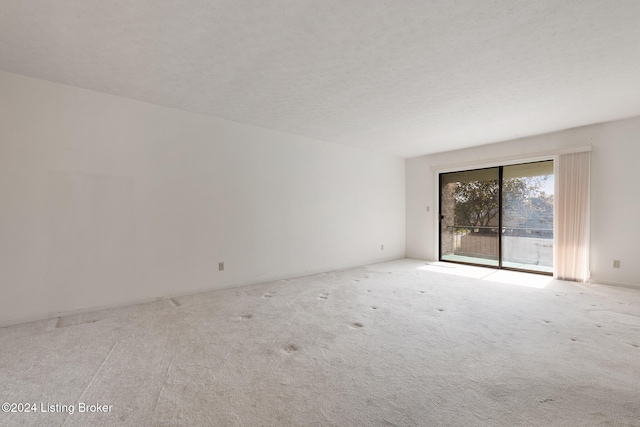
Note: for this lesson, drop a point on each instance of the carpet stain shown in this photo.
(268, 295)
(246, 316)
(323, 296)
(573, 339)
(441, 309)
(546, 400)
(547, 321)
(635, 345)
(290, 348)
(374, 307)
(612, 317)
(357, 325)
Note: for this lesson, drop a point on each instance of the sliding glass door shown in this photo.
(469, 220)
(499, 217)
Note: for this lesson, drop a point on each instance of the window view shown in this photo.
(501, 217)
(469, 207)
(527, 220)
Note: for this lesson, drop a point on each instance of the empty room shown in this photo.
(323, 213)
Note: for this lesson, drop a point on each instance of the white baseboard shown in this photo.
(621, 285)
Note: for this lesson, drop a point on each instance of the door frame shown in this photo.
(500, 166)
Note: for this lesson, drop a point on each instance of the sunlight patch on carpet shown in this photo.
(501, 276)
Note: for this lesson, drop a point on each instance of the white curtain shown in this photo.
(572, 216)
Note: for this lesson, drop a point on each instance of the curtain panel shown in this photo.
(572, 216)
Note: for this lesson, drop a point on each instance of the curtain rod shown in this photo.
(516, 158)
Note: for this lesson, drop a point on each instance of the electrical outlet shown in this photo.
(616, 263)
(221, 266)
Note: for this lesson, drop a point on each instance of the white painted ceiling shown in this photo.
(403, 77)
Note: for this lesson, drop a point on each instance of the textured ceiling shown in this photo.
(402, 77)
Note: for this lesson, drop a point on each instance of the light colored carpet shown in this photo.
(399, 343)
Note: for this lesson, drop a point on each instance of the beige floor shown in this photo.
(400, 343)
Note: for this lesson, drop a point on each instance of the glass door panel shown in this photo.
(469, 216)
(527, 216)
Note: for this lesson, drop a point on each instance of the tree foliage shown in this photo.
(476, 203)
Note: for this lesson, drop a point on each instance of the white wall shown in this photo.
(615, 199)
(107, 201)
